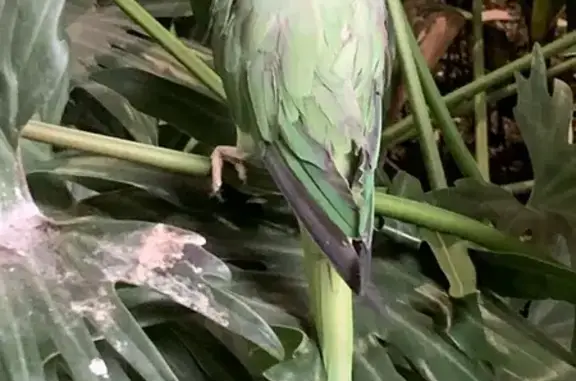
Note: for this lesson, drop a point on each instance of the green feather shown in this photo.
(311, 71)
(304, 80)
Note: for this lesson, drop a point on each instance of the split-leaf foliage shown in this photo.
(110, 270)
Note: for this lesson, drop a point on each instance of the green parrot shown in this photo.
(304, 81)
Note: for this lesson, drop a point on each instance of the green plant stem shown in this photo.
(404, 129)
(164, 158)
(454, 141)
(445, 221)
(481, 141)
(331, 304)
(510, 89)
(174, 46)
(415, 94)
(414, 212)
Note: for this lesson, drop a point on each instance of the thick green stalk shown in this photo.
(415, 95)
(510, 89)
(168, 159)
(387, 205)
(454, 141)
(404, 129)
(174, 46)
(331, 305)
(481, 140)
(445, 221)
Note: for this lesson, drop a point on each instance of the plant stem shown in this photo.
(404, 129)
(174, 46)
(445, 221)
(510, 89)
(331, 304)
(415, 94)
(414, 212)
(118, 148)
(481, 141)
(465, 107)
(454, 141)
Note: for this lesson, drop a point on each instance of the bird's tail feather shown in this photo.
(327, 235)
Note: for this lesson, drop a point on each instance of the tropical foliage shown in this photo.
(117, 265)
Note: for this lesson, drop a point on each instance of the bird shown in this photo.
(305, 81)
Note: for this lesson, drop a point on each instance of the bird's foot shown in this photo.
(232, 155)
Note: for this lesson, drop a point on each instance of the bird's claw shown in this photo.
(217, 194)
(218, 157)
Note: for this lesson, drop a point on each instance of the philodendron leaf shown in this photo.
(28, 34)
(268, 276)
(555, 318)
(106, 107)
(100, 173)
(451, 252)
(184, 107)
(544, 121)
(484, 201)
(58, 276)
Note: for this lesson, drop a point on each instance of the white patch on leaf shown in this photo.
(99, 368)
(20, 230)
(161, 249)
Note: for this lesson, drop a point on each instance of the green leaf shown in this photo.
(193, 113)
(530, 355)
(26, 88)
(523, 276)
(544, 121)
(425, 333)
(484, 201)
(452, 255)
(58, 276)
(104, 173)
(104, 107)
(510, 274)
(202, 15)
(451, 252)
(176, 354)
(555, 319)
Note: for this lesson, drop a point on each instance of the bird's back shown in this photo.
(304, 80)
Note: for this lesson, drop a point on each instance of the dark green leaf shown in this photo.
(26, 87)
(451, 252)
(544, 121)
(168, 186)
(196, 114)
(115, 113)
(522, 276)
(484, 201)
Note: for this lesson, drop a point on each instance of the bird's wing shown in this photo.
(305, 79)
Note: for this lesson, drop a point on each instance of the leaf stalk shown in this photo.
(481, 141)
(428, 145)
(404, 129)
(174, 46)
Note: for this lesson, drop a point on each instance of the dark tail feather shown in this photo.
(365, 265)
(327, 235)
